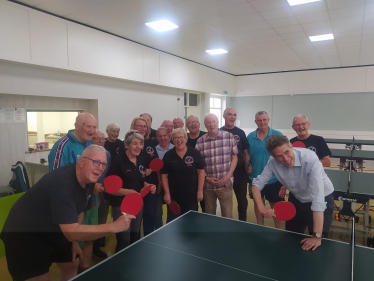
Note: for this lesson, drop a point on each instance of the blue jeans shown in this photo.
(149, 214)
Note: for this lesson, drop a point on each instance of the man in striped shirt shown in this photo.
(219, 152)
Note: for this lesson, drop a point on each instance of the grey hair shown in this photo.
(92, 148)
(299, 116)
(112, 126)
(275, 141)
(162, 129)
(224, 112)
(193, 117)
(260, 113)
(130, 135)
(179, 131)
(206, 115)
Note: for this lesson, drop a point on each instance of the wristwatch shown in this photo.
(317, 235)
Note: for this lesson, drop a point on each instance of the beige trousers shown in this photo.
(225, 200)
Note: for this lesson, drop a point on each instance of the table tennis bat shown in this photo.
(284, 211)
(299, 144)
(156, 164)
(132, 204)
(145, 190)
(112, 184)
(174, 208)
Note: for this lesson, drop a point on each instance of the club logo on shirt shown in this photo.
(237, 139)
(117, 150)
(142, 170)
(189, 160)
(150, 151)
(312, 148)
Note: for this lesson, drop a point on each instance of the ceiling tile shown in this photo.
(313, 17)
(347, 12)
(235, 21)
(265, 5)
(192, 6)
(283, 22)
(309, 8)
(288, 29)
(277, 14)
(338, 4)
(351, 21)
(294, 35)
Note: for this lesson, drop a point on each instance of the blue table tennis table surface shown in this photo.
(199, 246)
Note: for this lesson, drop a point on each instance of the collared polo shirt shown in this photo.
(162, 152)
(258, 155)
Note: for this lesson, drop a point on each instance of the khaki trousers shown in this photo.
(225, 200)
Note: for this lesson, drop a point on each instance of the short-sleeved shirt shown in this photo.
(216, 153)
(241, 142)
(152, 135)
(258, 155)
(161, 152)
(57, 198)
(192, 142)
(133, 176)
(149, 153)
(316, 144)
(66, 150)
(114, 148)
(182, 174)
(306, 180)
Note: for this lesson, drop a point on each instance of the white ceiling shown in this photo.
(260, 35)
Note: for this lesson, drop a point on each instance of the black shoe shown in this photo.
(98, 253)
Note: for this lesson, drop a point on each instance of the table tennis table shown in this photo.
(350, 141)
(199, 246)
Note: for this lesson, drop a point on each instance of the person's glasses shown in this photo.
(178, 138)
(101, 139)
(140, 126)
(97, 163)
(302, 124)
(193, 123)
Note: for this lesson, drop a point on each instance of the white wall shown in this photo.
(33, 37)
(345, 80)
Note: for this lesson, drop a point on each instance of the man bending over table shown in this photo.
(311, 191)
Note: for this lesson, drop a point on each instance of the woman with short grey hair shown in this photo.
(112, 143)
(130, 167)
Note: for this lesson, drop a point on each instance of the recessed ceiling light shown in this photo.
(162, 25)
(321, 37)
(299, 2)
(216, 51)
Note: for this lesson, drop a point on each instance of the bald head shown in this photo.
(85, 127)
(178, 123)
(168, 125)
(98, 138)
(211, 124)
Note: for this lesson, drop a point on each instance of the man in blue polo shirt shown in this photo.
(258, 160)
(68, 149)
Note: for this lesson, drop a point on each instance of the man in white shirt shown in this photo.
(311, 191)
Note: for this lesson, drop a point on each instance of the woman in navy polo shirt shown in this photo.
(130, 167)
(182, 175)
(148, 153)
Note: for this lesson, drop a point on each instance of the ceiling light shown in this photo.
(216, 51)
(321, 37)
(299, 2)
(162, 25)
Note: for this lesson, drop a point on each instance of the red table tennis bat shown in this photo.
(132, 204)
(146, 190)
(299, 144)
(284, 211)
(112, 184)
(174, 208)
(156, 164)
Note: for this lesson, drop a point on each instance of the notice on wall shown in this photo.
(8, 115)
(19, 115)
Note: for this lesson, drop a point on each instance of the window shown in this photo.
(49, 126)
(216, 108)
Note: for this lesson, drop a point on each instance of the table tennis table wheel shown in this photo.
(337, 217)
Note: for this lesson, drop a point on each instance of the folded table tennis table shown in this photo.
(199, 246)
